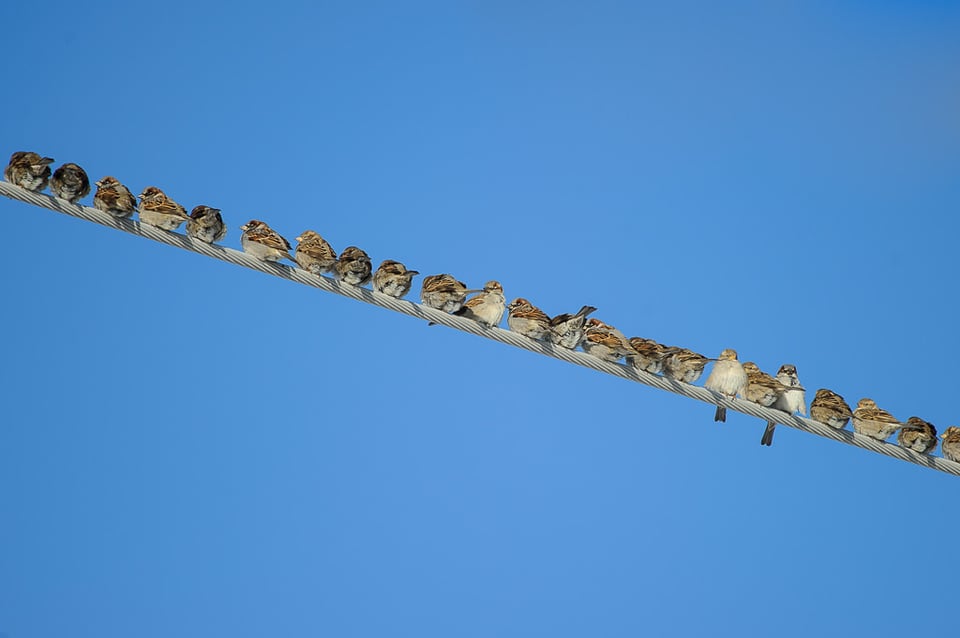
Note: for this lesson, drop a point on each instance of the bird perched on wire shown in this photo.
(682, 364)
(114, 198)
(649, 355)
(918, 435)
(874, 422)
(727, 378)
(566, 330)
(263, 242)
(950, 443)
(829, 408)
(486, 307)
(792, 399)
(206, 224)
(604, 341)
(314, 253)
(70, 182)
(353, 266)
(28, 170)
(526, 319)
(761, 389)
(392, 278)
(156, 209)
(443, 292)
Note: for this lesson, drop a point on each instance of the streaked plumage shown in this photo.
(526, 319)
(264, 243)
(649, 355)
(874, 422)
(443, 292)
(727, 377)
(918, 435)
(829, 408)
(681, 364)
(206, 224)
(353, 266)
(950, 443)
(487, 307)
(791, 399)
(156, 209)
(566, 330)
(70, 182)
(392, 278)
(114, 198)
(28, 170)
(314, 253)
(604, 341)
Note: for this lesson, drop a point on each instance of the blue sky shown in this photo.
(194, 449)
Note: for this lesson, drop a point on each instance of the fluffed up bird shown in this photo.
(649, 355)
(206, 224)
(682, 364)
(605, 342)
(28, 170)
(263, 242)
(392, 278)
(314, 253)
(114, 198)
(443, 292)
(727, 378)
(70, 182)
(566, 330)
(918, 435)
(526, 319)
(486, 308)
(792, 399)
(156, 209)
(829, 408)
(353, 266)
(950, 443)
(869, 420)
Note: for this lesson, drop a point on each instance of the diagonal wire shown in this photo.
(466, 325)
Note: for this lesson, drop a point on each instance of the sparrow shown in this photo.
(728, 378)
(28, 170)
(649, 355)
(443, 292)
(486, 308)
(681, 364)
(70, 182)
(156, 209)
(951, 443)
(263, 242)
(114, 198)
(314, 254)
(918, 435)
(874, 422)
(206, 224)
(761, 389)
(566, 330)
(392, 278)
(605, 342)
(829, 408)
(353, 267)
(526, 319)
(792, 399)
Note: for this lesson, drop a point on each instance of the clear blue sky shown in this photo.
(193, 449)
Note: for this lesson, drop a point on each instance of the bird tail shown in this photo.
(721, 414)
(767, 438)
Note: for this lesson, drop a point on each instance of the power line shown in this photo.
(466, 325)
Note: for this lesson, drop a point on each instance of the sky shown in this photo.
(190, 448)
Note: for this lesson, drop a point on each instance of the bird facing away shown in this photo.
(314, 254)
(681, 364)
(114, 198)
(353, 266)
(526, 319)
(206, 224)
(604, 341)
(791, 400)
(487, 307)
(28, 170)
(829, 408)
(950, 443)
(649, 355)
(727, 378)
(918, 435)
(263, 242)
(443, 292)
(566, 330)
(869, 420)
(156, 209)
(70, 182)
(392, 278)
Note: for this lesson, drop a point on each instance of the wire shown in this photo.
(466, 325)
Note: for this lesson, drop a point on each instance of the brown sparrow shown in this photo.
(70, 182)
(604, 341)
(486, 308)
(206, 224)
(727, 378)
(28, 170)
(681, 364)
(951, 443)
(829, 408)
(526, 319)
(874, 422)
(443, 292)
(566, 330)
(392, 278)
(918, 435)
(792, 399)
(114, 198)
(263, 242)
(353, 266)
(314, 254)
(649, 355)
(156, 209)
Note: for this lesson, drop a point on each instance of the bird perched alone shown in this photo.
(648, 357)
(950, 443)
(682, 364)
(604, 341)
(869, 420)
(70, 182)
(443, 292)
(829, 408)
(792, 399)
(28, 170)
(486, 308)
(353, 266)
(263, 242)
(206, 225)
(727, 378)
(314, 253)
(156, 209)
(566, 330)
(526, 319)
(114, 198)
(918, 435)
(392, 278)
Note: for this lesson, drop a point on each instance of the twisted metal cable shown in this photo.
(466, 325)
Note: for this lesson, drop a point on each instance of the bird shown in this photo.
(682, 364)
(566, 330)
(792, 399)
(918, 435)
(314, 253)
(392, 278)
(728, 378)
(206, 224)
(353, 266)
(526, 319)
(443, 292)
(829, 408)
(869, 420)
(761, 389)
(70, 182)
(950, 443)
(263, 242)
(28, 170)
(114, 198)
(487, 306)
(604, 341)
(156, 209)
(649, 355)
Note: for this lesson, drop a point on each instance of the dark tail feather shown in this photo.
(768, 434)
(720, 414)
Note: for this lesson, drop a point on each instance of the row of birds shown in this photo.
(728, 377)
